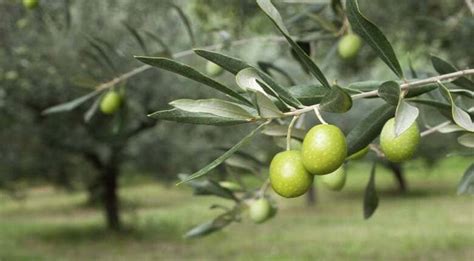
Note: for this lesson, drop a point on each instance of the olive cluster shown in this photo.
(323, 153)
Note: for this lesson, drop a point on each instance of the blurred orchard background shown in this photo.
(59, 173)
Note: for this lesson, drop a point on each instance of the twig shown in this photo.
(288, 134)
(403, 86)
(319, 116)
(435, 128)
(264, 188)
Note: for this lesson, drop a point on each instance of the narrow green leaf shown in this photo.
(371, 200)
(214, 106)
(103, 54)
(189, 72)
(268, 67)
(136, 36)
(373, 36)
(161, 43)
(466, 93)
(71, 105)
(92, 110)
(275, 130)
(450, 129)
(390, 92)
(247, 80)
(210, 227)
(230, 64)
(266, 107)
(274, 15)
(208, 187)
(460, 117)
(234, 66)
(366, 130)
(186, 22)
(442, 107)
(467, 140)
(337, 100)
(405, 116)
(195, 118)
(309, 94)
(444, 67)
(224, 156)
(466, 185)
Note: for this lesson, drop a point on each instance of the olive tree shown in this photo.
(322, 151)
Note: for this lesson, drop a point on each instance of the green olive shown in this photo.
(335, 180)
(213, 69)
(401, 148)
(260, 210)
(288, 176)
(324, 149)
(349, 46)
(110, 103)
(30, 4)
(230, 186)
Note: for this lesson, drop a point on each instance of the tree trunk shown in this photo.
(311, 196)
(110, 197)
(398, 174)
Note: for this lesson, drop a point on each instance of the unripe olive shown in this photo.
(288, 176)
(324, 149)
(213, 69)
(110, 103)
(359, 155)
(260, 210)
(335, 180)
(349, 46)
(230, 186)
(30, 4)
(401, 148)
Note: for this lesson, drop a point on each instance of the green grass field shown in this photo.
(429, 223)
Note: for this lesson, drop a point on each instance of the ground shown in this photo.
(429, 223)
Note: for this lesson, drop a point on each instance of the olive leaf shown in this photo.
(308, 94)
(247, 80)
(178, 115)
(405, 116)
(460, 117)
(224, 156)
(281, 131)
(272, 13)
(371, 200)
(214, 106)
(266, 107)
(466, 185)
(230, 64)
(444, 67)
(71, 105)
(191, 73)
(336, 100)
(367, 129)
(373, 36)
(390, 92)
(208, 187)
(467, 140)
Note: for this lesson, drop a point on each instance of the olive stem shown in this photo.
(434, 129)
(263, 188)
(290, 130)
(377, 150)
(418, 83)
(319, 116)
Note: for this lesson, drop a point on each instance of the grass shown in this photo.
(429, 223)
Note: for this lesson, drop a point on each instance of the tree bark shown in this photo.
(110, 197)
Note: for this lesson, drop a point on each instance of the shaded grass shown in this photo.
(428, 223)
